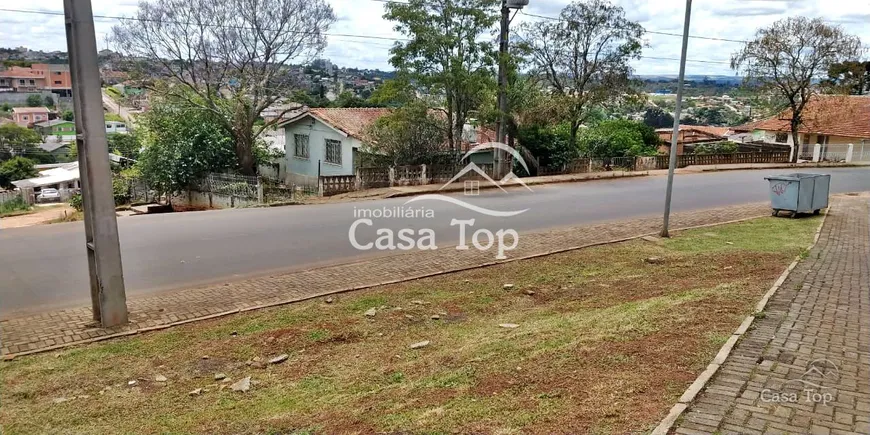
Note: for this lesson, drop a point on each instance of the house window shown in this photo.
(21, 81)
(300, 146)
(333, 151)
(32, 83)
(822, 139)
(782, 137)
(57, 82)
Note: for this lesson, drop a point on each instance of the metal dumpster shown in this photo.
(799, 193)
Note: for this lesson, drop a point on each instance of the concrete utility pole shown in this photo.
(108, 299)
(503, 41)
(672, 161)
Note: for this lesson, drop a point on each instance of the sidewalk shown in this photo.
(804, 365)
(56, 329)
(399, 191)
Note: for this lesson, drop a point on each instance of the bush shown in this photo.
(34, 100)
(14, 205)
(550, 145)
(17, 168)
(75, 202)
(619, 138)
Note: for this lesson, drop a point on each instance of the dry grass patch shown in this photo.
(605, 344)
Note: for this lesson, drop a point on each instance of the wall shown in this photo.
(196, 199)
(317, 133)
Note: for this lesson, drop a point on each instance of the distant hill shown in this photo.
(718, 79)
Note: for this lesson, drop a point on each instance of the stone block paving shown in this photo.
(804, 367)
(60, 328)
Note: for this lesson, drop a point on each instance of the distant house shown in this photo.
(26, 116)
(64, 176)
(691, 135)
(827, 120)
(116, 127)
(57, 127)
(37, 77)
(60, 150)
(327, 141)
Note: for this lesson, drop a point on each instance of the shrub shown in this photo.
(76, 202)
(716, 148)
(14, 205)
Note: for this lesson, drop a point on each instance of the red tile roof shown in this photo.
(831, 115)
(715, 131)
(351, 121)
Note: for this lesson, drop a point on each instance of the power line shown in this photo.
(654, 32)
(120, 18)
(347, 35)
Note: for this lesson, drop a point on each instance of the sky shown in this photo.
(726, 19)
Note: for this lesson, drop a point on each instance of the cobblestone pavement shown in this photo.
(64, 327)
(804, 367)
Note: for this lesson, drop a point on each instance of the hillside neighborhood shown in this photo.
(459, 216)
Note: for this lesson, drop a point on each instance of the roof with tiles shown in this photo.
(831, 115)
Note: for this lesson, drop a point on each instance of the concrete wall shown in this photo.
(318, 133)
(198, 199)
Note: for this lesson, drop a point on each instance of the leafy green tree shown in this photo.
(711, 116)
(410, 135)
(446, 53)
(49, 101)
(585, 57)
(17, 168)
(655, 117)
(182, 146)
(619, 138)
(17, 140)
(68, 115)
(849, 77)
(34, 100)
(551, 145)
(125, 145)
(393, 92)
(787, 57)
(6, 107)
(348, 99)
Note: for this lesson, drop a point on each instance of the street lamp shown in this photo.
(501, 131)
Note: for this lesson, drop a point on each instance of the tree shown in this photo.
(711, 116)
(34, 100)
(16, 140)
(68, 115)
(619, 138)
(788, 56)
(125, 145)
(227, 58)
(445, 53)
(655, 117)
(849, 77)
(49, 101)
(551, 146)
(393, 92)
(182, 146)
(584, 56)
(410, 135)
(18, 168)
(6, 107)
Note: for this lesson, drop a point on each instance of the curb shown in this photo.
(623, 174)
(11, 356)
(701, 381)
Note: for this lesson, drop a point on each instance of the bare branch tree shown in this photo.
(584, 57)
(789, 57)
(227, 57)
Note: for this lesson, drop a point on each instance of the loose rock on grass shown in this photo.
(242, 385)
(420, 345)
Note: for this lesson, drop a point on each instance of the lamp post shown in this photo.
(501, 131)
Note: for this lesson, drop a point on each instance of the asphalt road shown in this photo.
(45, 266)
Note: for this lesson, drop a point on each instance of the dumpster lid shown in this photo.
(794, 177)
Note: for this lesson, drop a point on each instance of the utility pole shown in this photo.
(108, 299)
(672, 161)
(501, 133)
(501, 160)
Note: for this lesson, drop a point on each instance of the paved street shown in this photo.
(803, 367)
(45, 267)
(51, 328)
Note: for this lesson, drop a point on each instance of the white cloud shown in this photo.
(729, 19)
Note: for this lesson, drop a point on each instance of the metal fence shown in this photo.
(243, 186)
